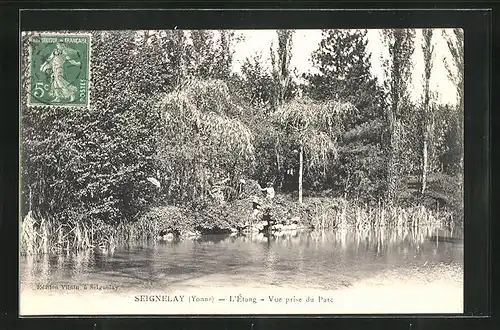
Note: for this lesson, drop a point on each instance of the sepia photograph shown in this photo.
(256, 172)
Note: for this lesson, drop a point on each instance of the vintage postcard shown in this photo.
(195, 172)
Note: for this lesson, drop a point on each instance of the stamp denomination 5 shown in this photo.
(59, 70)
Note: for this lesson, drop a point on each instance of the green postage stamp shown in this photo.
(59, 70)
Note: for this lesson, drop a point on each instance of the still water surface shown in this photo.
(305, 259)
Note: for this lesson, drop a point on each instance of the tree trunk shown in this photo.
(424, 164)
(425, 134)
(392, 171)
(278, 167)
(392, 175)
(393, 122)
(428, 50)
(301, 167)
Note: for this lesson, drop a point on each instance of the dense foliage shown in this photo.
(172, 132)
(91, 163)
(202, 142)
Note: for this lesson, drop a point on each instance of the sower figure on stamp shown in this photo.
(60, 89)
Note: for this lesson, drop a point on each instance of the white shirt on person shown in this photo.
(270, 192)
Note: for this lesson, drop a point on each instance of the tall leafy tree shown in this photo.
(342, 66)
(428, 51)
(284, 87)
(280, 66)
(254, 89)
(344, 71)
(172, 46)
(455, 41)
(210, 53)
(400, 43)
(256, 80)
(226, 42)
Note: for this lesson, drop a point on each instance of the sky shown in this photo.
(306, 41)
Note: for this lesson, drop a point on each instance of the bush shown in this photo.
(163, 218)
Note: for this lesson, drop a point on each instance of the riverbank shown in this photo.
(41, 235)
(435, 290)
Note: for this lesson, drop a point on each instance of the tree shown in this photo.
(280, 66)
(456, 46)
(171, 45)
(203, 141)
(283, 87)
(344, 72)
(455, 42)
(311, 125)
(255, 81)
(428, 50)
(210, 53)
(227, 39)
(447, 137)
(343, 65)
(398, 72)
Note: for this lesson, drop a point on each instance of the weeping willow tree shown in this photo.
(314, 127)
(202, 141)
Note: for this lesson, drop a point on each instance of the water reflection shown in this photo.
(322, 259)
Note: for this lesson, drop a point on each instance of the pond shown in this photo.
(391, 263)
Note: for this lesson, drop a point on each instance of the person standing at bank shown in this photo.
(268, 204)
(268, 200)
(269, 191)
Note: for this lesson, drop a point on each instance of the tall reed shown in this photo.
(360, 215)
(39, 234)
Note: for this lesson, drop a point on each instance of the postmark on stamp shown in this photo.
(59, 70)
